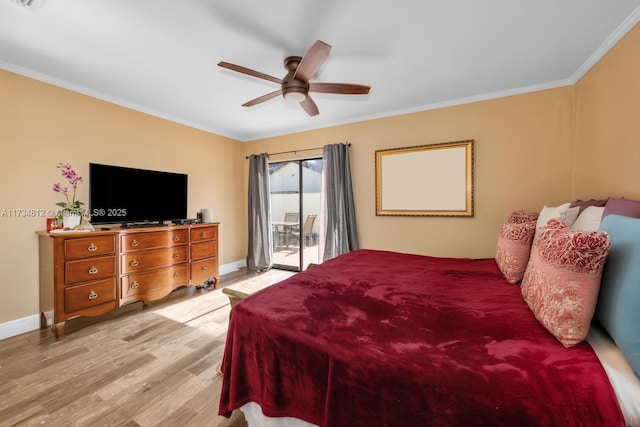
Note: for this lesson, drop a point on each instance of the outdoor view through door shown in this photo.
(295, 206)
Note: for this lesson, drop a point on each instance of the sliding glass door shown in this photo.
(295, 206)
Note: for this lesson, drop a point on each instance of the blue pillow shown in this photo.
(618, 308)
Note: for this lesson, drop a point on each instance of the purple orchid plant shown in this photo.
(71, 205)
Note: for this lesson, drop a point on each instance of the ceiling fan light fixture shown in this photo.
(295, 94)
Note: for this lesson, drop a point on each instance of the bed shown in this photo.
(379, 338)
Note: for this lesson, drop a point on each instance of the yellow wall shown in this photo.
(42, 125)
(608, 123)
(523, 160)
(545, 147)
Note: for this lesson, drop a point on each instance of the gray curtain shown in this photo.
(338, 232)
(260, 249)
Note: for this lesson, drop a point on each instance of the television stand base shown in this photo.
(142, 224)
(186, 221)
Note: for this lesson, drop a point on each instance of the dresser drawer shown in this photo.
(201, 234)
(202, 270)
(89, 247)
(204, 250)
(137, 261)
(89, 269)
(154, 239)
(136, 284)
(89, 295)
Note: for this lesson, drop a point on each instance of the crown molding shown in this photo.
(609, 43)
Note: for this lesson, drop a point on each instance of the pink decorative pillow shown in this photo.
(514, 244)
(562, 280)
(522, 216)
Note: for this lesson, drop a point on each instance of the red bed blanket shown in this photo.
(377, 338)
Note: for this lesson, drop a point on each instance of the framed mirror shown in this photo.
(425, 180)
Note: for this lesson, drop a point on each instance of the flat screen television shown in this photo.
(131, 196)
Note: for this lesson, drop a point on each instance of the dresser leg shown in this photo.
(58, 330)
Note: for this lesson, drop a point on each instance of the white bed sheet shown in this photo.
(624, 382)
(255, 418)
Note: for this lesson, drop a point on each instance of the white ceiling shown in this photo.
(161, 56)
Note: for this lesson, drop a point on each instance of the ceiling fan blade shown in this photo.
(312, 60)
(310, 107)
(262, 98)
(340, 88)
(249, 72)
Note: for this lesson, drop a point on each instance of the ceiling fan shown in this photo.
(295, 85)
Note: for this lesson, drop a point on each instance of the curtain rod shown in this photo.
(348, 144)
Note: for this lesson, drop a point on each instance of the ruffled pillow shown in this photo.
(514, 244)
(562, 279)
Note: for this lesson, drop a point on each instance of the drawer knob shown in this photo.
(134, 263)
(93, 269)
(176, 256)
(92, 248)
(204, 268)
(134, 243)
(134, 285)
(93, 295)
(176, 238)
(203, 235)
(176, 274)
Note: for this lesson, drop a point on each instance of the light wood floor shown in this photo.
(136, 367)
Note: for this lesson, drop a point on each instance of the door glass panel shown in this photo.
(294, 213)
(284, 180)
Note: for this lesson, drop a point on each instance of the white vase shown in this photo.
(70, 220)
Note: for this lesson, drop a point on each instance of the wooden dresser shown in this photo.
(153, 263)
(204, 252)
(92, 273)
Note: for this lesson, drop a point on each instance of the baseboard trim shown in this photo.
(232, 266)
(31, 323)
(19, 326)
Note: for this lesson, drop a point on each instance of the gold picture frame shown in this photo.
(425, 180)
